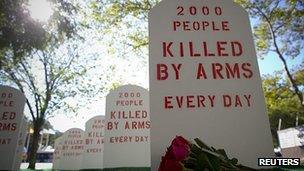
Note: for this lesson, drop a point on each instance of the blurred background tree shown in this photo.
(21, 34)
(282, 103)
(279, 28)
(35, 58)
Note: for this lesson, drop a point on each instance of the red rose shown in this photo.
(169, 164)
(178, 151)
(180, 148)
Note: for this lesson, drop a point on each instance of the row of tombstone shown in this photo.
(13, 128)
(120, 139)
(204, 82)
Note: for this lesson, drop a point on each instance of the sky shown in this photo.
(271, 63)
(134, 71)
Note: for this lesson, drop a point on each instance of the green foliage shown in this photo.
(113, 12)
(133, 14)
(203, 157)
(282, 103)
(20, 34)
(279, 27)
(277, 23)
(299, 76)
(50, 79)
(35, 58)
(263, 36)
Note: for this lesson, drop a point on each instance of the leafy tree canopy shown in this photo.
(36, 58)
(282, 103)
(130, 13)
(279, 27)
(21, 34)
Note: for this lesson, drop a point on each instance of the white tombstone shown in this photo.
(204, 79)
(72, 149)
(11, 113)
(21, 144)
(93, 143)
(127, 132)
(57, 153)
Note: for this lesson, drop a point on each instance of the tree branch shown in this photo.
(47, 84)
(16, 81)
(277, 49)
(34, 89)
(275, 7)
(57, 77)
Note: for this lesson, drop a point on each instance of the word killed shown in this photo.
(203, 49)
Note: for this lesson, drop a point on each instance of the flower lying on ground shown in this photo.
(182, 155)
(178, 151)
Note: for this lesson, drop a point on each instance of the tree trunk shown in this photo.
(292, 81)
(35, 143)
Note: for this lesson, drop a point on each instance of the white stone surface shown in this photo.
(72, 149)
(93, 143)
(127, 133)
(204, 79)
(11, 114)
(57, 153)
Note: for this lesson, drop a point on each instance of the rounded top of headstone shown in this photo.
(161, 5)
(11, 89)
(8, 87)
(75, 130)
(130, 86)
(95, 117)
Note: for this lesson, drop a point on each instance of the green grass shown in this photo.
(128, 169)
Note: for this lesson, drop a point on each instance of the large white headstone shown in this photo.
(93, 143)
(127, 133)
(72, 149)
(204, 79)
(11, 113)
(57, 153)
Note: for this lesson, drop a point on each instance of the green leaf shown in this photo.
(215, 162)
(201, 144)
(203, 162)
(190, 163)
(195, 149)
(222, 152)
(234, 161)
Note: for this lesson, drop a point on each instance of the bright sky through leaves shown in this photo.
(40, 10)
